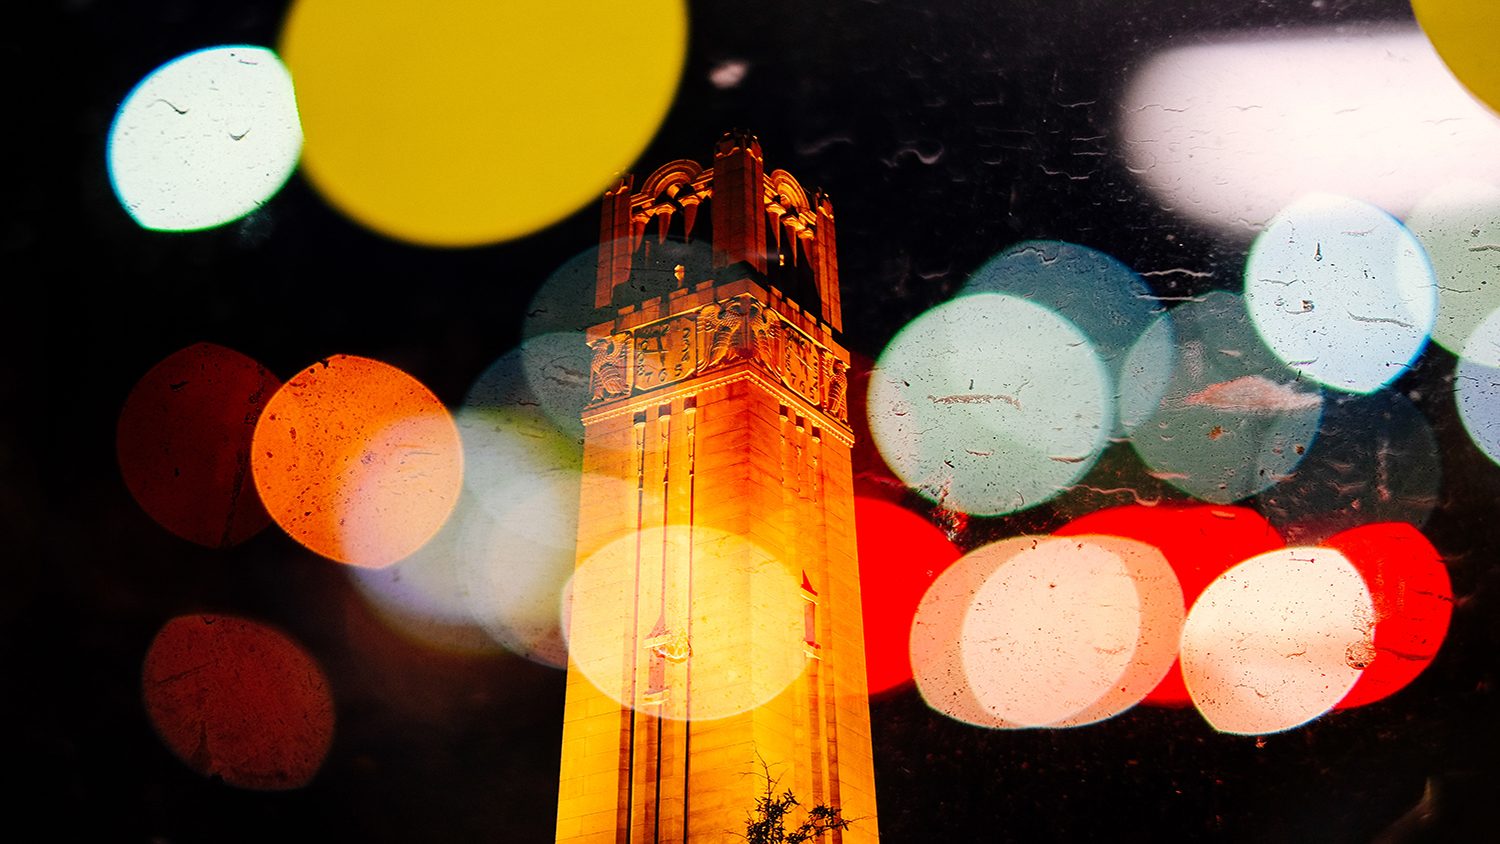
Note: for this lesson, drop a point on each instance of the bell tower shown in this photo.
(714, 618)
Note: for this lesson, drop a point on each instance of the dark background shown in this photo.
(944, 132)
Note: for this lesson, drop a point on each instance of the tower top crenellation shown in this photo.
(759, 225)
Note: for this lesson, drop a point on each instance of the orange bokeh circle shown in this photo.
(357, 461)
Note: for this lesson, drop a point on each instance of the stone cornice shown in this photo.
(740, 336)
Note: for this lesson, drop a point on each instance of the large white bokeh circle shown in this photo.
(1458, 225)
(1476, 386)
(990, 404)
(937, 657)
(205, 139)
(1274, 642)
(1071, 631)
(1341, 292)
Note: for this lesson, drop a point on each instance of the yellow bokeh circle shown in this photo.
(1464, 33)
(466, 123)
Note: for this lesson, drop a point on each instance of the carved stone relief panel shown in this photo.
(664, 352)
(767, 332)
(835, 387)
(738, 330)
(800, 365)
(609, 372)
(721, 329)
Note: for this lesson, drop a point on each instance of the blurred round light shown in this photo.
(523, 455)
(900, 554)
(184, 443)
(937, 655)
(1200, 542)
(205, 139)
(990, 404)
(474, 123)
(511, 440)
(1463, 33)
(357, 461)
(1375, 459)
(870, 469)
(1483, 347)
(1277, 640)
(1157, 629)
(1071, 631)
(426, 596)
(518, 560)
(1476, 387)
(1231, 420)
(565, 301)
(238, 700)
(1095, 291)
(1227, 130)
(1341, 292)
(557, 368)
(716, 620)
(1413, 601)
(1146, 372)
(1459, 227)
(519, 464)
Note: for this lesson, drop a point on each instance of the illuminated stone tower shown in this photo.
(719, 409)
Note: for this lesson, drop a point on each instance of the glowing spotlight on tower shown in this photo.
(205, 139)
(721, 621)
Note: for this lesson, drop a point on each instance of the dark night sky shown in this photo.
(943, 132)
